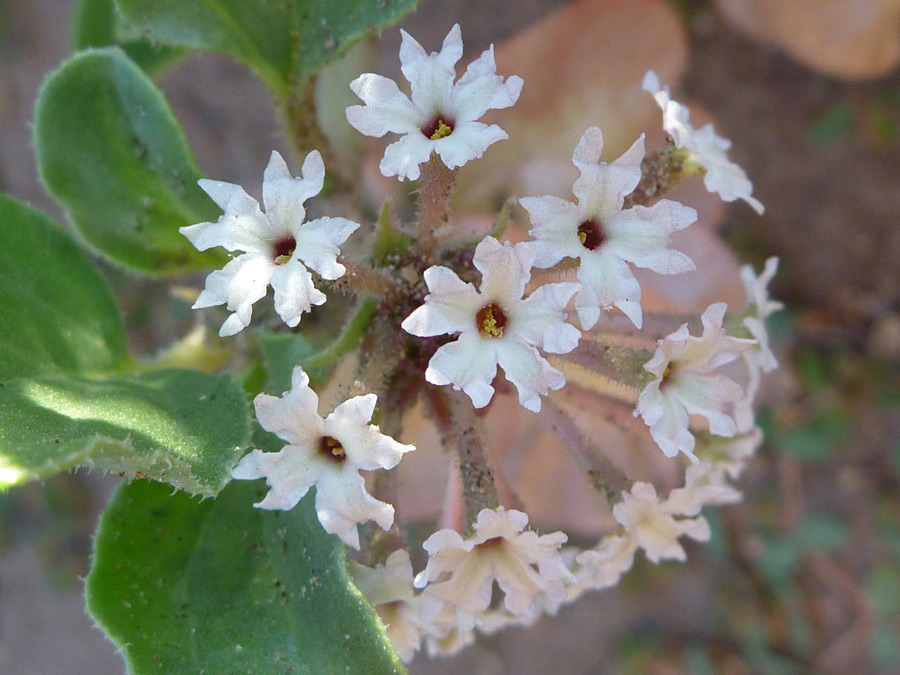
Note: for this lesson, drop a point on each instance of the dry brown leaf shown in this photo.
(853, 39)
(582, 67)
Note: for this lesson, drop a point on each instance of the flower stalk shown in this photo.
(462, 431)
(434, 207)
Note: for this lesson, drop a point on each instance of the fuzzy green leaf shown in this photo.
(285, 41)
(68, 397)
(216, 586)
(110, 150)
(58, 313)
(180, 426)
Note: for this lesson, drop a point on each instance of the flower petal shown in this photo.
(386, 109)
(532, 375)
(430, 75)
(403, 156)
(554, 226)
(450, 306)
(294, 291)
(319, 242)
(468, 141)
(641, 236)
(284, 195)
(469, 363)
(289, 473)
(238, 285)
(480, 89)
(606, 281)
(540, 319)
(242, 227)
(601, 188)
(505, 270)
(342, 503)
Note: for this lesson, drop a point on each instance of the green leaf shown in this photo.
(216, 586)
(67, 396)
(280, 353)
(58, 313)
(97, 24)
(285, 41)
(182, 426)
(110, 150)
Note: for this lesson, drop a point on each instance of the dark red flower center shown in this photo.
(590, 233)
(491, 321)
(332, 449)
(283, 250)
(437, 128)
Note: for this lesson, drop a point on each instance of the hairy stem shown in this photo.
(461, 429)
(360, 279)
(434, 206)
(623, 365)
(349, 338)
(600, 471)
(304, 134)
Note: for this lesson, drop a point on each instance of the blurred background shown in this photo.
(804, 575)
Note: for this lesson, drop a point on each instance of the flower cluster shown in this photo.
(450, 311)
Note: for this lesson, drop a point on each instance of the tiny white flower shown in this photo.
(683, 384)
(277, 245)
(461, 572)
(704, 484)
(328, 453)
(447, 633)
(761, 358)
(731, 454)
(706, 148)
(757, 288)
(390, 588)
(652, 525)
(602, 566)
(602, 236)
(496, 326)
(441, 115)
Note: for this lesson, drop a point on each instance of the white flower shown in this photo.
(277, 245)
(327, 453)
(446, 633)
(731, 454)
(760, 358)
(441, 117)
(602, 566)
(604, 237)
(496, 326)
(704, 483)
(524, 565)
(390, 588)
(705, 147)
(757, 288)
(652, 524)
(683, 384)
